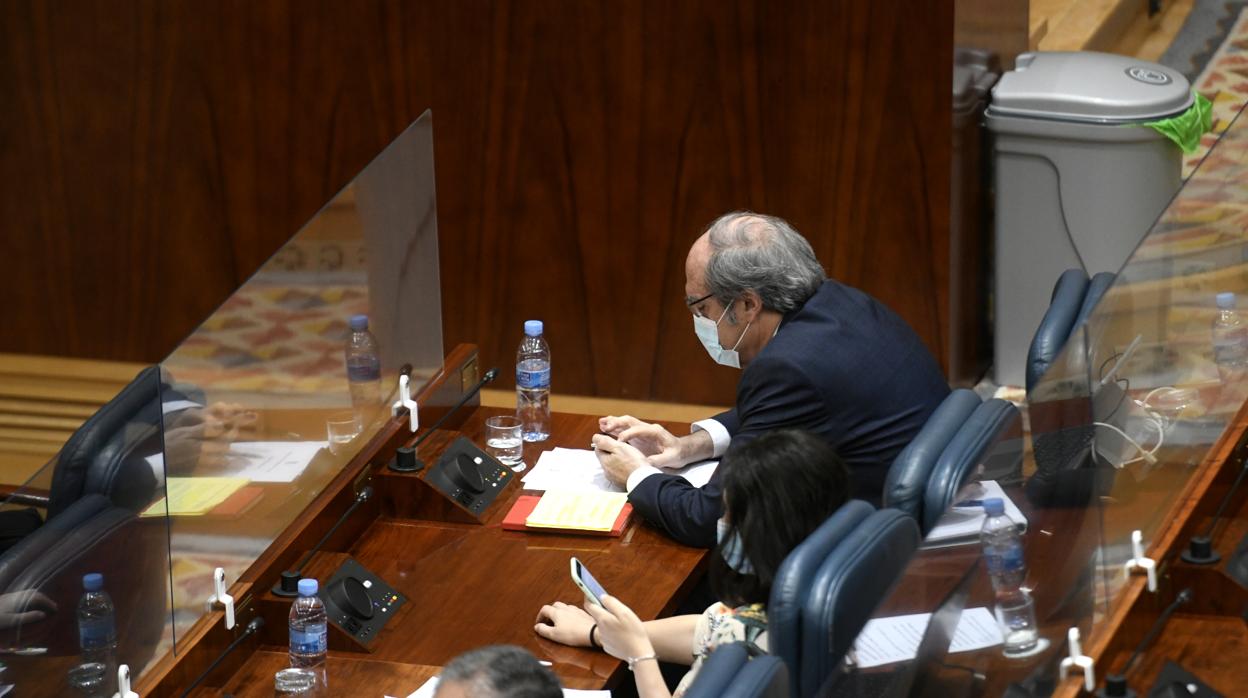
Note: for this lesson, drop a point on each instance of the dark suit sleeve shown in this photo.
(730, 420)
(776, 394)
(685, 512)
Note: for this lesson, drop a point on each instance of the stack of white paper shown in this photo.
(578, 470)
(887, 640)
(965, 523)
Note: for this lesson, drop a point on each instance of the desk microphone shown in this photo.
(289, 583)
(405, 460)
(1116, 684)
(1200, 548)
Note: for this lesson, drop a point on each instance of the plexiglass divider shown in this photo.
(1182, 381)
(84, 583)
(1131, 411)
(260, 412)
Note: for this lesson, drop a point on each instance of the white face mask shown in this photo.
(708, 332)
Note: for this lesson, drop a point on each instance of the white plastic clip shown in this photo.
(1078, 659)
(1139, 562)
(220, 597)
(405, 400)
(123, 683)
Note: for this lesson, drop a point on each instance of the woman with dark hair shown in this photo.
(777, 489)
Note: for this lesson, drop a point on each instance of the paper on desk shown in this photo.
(273, 461)
(194, 496)
(966, 523)
(887, 640)
(571, 469)
(582, 511)
(578, 470)
(431, 686)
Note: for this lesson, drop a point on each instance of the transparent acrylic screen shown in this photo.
(1142, 364)
(259, 414)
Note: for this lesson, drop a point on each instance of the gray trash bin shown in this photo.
(1076, 185)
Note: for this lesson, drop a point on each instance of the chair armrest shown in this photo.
(23, 496)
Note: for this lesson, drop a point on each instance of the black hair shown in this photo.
(778, 489)
(501, 671)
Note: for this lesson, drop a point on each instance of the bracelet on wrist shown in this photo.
(634, 661)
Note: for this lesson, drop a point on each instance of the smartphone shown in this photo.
(590, 586)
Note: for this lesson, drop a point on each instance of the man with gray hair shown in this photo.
(817, 355)
(497, 671)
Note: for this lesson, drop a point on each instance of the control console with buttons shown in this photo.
(469, 476)
(358, 602)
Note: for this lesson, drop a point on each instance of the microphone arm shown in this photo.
(488, 378)
(289, 583)
(405, 460)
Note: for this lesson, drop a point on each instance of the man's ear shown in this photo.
(751, 305)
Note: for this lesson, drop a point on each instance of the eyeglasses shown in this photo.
(692, 303)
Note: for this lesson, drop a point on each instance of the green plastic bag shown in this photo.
(1186, 128)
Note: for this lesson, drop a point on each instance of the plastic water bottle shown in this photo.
(97, 624)
(309, 629)
(1230, 340)
(363, 368)
(1003, 555)
(533, 383)
(1003, 547)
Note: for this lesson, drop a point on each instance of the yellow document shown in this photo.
(195, 496)
(581, 511)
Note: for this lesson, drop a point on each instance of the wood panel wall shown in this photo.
(153, 153)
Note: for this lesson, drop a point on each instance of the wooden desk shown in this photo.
(468, 584)
(1169, 503)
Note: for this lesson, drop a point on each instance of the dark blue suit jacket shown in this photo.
(844, 367)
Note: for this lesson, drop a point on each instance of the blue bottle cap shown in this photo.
(994, 506)
(358, 323)
(308, 587)
(1226, 300)
(533, 328)
(93, 581)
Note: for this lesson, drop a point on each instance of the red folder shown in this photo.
(514, 521)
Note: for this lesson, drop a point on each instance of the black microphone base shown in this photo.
(288, 586)
(405, 461)
(416, 467)
(1200, 552)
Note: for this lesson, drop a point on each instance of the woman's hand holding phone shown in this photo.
(620, 631)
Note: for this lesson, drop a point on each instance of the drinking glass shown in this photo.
(342, 428)
(503, 441)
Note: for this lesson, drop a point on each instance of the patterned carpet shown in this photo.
(1224, 81)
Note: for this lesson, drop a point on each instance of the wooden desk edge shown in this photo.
(1105, 639)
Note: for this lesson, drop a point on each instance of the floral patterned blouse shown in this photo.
(720, 625)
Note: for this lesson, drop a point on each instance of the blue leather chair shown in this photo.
(718, 671)
(906, 485)
(845, 590)
(761, 677)
(1072, 301)
(965, 450)
(926, 475)
(793, 581)
(730, 673)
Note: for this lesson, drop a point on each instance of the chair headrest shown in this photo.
(92, 458)
(907, 477)
(1055, 326)
(762, 677)
(793, 580)
(965, 451)
(850, 583)
(719, 671)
